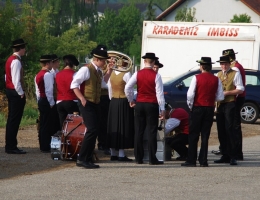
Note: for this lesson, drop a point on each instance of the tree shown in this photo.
(186, 14)
(150, 13)
(242, 18)
(117, 31)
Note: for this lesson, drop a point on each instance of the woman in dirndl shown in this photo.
(120, 131)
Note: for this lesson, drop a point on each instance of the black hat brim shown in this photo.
(18, 45)
(154, 58)
(102, 57)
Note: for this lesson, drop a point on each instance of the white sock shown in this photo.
(121, 153)
(113, 152)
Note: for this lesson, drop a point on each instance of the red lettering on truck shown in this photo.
(228, 32)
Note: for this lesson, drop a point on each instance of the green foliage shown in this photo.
(186, 14)
(242, 18)
(30, 114)
(117, 31)
(163, 4)
(150, 13)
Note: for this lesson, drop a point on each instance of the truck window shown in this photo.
(252, 80)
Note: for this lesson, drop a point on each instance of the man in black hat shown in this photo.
(89, 79)
(204, 90)
(232, 86)
(240, 99)
(149, 96)
(44, 81)
(14, 82)
(157, 66)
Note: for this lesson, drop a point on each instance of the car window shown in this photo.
(252, 80)
(187, 81)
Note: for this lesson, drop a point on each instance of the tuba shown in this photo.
(121, 62)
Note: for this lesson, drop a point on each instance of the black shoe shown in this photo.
(187, 164)
(233, 161)
(180, 158)
(216, 152)
(204, 165)
(88, 165)
(156, 163)
(139, 162)
(114, 158)
(222, 160)
(124, 159)
(107, 151)
(15, 151)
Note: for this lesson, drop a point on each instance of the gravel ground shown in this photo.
(36, 176)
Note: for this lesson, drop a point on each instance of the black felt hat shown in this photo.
(46, 58)
(100, 52)
(54, 57)
(205, 60)
(158, 64)
(18, 42)
(228, 52)
(150, 56)
(72, 58)
(224, 59)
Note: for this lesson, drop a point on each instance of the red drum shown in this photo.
(73, 132)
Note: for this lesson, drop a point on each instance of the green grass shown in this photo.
(30, 115)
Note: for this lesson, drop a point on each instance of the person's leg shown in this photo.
(178, 144)
(15, 112)
(205, 132)
(140, 124)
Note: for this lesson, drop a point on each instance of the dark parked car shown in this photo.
(175, 92)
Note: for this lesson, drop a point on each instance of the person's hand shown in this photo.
(162, 115)
(22, 96)
(132, 104)
(83, 101)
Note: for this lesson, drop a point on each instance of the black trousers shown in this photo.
(46, 124)
(90, 117)
(103, 116)
(237, 126)
(146, 119)
(201, 119)
(64, 108)
(15, 112)
(178, 143)
(225, 126)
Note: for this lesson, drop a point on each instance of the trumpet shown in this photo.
(120, 61)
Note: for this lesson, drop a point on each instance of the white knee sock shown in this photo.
(113, 152)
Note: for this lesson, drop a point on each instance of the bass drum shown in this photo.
(72, 134)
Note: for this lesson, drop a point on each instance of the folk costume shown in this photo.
(204, 90)
(225, 115)
(14, 82)
(179, 122)
(89, 79)
(44, 81)
(66, 98)
(120, 134)
(149, 97)
(240, 99)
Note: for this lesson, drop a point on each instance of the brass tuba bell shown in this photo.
(121, 62)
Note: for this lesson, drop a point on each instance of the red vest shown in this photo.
(183, 116)
(63, 81)
(206, 89)
(146, 86)
(243, 75)
(39, 79)
(8, 79)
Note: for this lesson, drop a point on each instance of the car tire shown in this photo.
(249, 113)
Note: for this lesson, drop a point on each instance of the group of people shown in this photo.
(105, 99)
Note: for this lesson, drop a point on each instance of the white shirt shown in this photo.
(82, 75)
(54, 72)
(171, 124)
(192, 90)
(48, 85)
(158, 88)
(126, 78)
(16, 67)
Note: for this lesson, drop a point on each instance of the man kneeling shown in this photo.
(178, 120)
